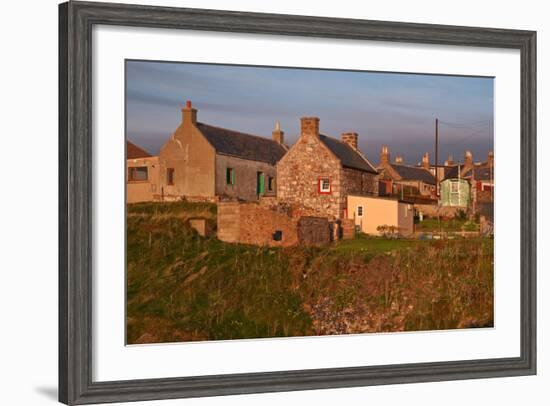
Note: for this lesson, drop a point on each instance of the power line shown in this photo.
(465, 137)
(473, 124)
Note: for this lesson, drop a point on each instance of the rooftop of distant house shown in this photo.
(407, 172)
(135, 152)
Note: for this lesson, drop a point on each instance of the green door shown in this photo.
(260, 183)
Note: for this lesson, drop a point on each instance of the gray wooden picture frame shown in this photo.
(76, 20)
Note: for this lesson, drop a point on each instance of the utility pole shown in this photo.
(436, 158)
(436, 172)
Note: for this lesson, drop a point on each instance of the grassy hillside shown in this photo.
(183, 287)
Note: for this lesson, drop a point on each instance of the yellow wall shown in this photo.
(143, 191)
(193, 160)
(379, 211)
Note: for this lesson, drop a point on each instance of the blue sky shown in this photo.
(398, 110)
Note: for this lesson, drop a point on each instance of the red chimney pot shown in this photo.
(188, 104)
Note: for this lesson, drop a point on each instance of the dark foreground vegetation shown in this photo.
(183, 287)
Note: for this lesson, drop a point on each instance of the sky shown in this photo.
(393, 109)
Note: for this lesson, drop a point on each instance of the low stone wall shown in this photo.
(202, 226)
(348, 229)
(265, 223)
(313, 231)
(193, 199)
(261, 225)
(433, 210)
(228, 219)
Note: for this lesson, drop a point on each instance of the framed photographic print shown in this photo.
(258, 202)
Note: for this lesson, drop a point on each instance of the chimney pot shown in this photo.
(450, 161)
(468, 159)
(384, 155)
(426, 161)
(278, 135)
(350, 138)
(189, 114)
(310, 127)
(491, 158)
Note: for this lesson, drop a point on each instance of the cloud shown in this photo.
(384, 108)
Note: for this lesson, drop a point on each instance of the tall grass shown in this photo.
(183, 287)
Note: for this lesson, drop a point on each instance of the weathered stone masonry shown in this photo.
(268, 223)
(315, 157)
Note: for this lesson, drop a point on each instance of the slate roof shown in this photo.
(483, 173)
(414, 173)
(135, 152)
(349, 157)
(452, 173)
(480, 173)
(241, 145)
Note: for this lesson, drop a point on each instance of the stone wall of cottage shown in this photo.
(299, 171)
(245, 177)
(359, 182)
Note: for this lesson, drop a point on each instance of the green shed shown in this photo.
(454, 192)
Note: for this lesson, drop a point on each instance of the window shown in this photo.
(359, 211)
(271, 184)
(137, 174)
(230, 176)
(260, 183)
(324, 185)
(170, 176)
(454, 187)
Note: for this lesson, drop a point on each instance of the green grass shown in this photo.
(373, 245)
(183, 287)
(452, 225)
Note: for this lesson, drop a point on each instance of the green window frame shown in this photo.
(260, 183)
(230, 176)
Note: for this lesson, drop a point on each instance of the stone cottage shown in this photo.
(142, 174)
(405, 181)
(319, 171)
(205, 162)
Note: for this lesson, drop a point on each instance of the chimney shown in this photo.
(491, 159)
(277, 134)
(384, 155)
(468, 160)
(398, 159)
(426, 161)
(350, 138)
(189, 114)
(450, 161)
(310, 127)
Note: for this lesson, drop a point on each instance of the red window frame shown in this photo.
(324, 192)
